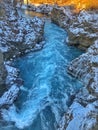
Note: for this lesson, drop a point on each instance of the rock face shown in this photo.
(18, 35)
(84, 109)
(62, 16)
(82, 28)
(3, 72)
(82, 31)
(9, 96)
(85, 68)
(42, 8)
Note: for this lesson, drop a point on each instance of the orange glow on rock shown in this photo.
(79, 4)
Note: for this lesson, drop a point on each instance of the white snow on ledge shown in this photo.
(81, 117)
(9, 96)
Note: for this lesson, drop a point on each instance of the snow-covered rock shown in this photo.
(58, 16)
(82, 118)
(41, 8)
(85, 68)
(13, 84)
(13, 75)
(19, 33)
(9, 96)
(82, 28)
(82, 31)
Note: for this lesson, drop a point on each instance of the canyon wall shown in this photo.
(82, 31)
(3, 72)
(18, 35)
(82, 28)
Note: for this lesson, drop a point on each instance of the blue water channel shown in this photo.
(48, 90)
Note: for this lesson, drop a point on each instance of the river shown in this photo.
(48, 90)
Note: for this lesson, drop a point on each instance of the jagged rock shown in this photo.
(13, 84)
(42, 8)
(20, 36)
(84, 118)
(85, 68)
(12, 76)
(62, 16)
(9, 96)
(3, 72)
(84, 97)
(82, 31)
(19, 33)
(82, 28)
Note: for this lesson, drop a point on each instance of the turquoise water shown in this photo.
(48, 90)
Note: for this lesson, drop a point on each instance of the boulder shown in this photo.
(85, 68)
(82, 27)
(19, 34)
(84, 109)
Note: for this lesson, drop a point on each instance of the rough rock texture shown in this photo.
(3, 72)
(82, 31)
(18, 35)
(85, 68)
(82, 28)
(42, 8)
(62, 16)
(9, 96)
(84, 110)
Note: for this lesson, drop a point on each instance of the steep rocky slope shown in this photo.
(82, 27)
(82, 31)
(18, 35)
(84, 109)
(3, 72)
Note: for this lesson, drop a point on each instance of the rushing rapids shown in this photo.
(48, 90)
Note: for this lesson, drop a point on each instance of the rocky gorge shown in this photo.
(18, 36)
(82, 29)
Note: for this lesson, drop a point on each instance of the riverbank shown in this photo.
(82, 31)
(19, 35)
